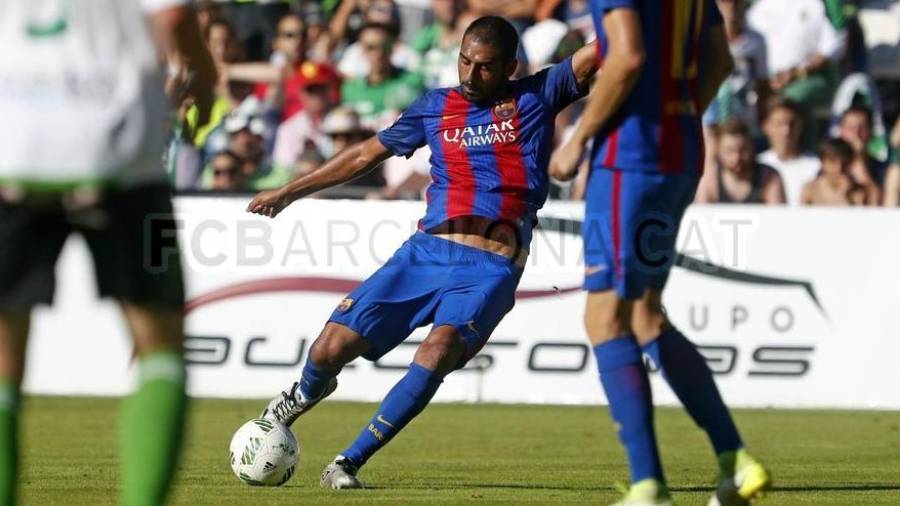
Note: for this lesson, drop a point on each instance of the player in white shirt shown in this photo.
(81, 142)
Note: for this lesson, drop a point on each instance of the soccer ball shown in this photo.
(264, 452)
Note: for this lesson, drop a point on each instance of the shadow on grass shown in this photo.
(861, 487)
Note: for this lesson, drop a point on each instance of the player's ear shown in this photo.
(511, 67)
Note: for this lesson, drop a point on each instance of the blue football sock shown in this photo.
(313, 380)
(627, 388)
(686, 371)
(406, 400)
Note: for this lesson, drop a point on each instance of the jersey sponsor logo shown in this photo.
(481, 135)
(345, 304)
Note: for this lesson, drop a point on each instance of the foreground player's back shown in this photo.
(657, 128)
(84, 80)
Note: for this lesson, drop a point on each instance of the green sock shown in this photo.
(152, 423)
(9, 447)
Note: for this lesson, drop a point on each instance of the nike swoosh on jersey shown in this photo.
(593, 269)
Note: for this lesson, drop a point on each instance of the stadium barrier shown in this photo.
(792, 307)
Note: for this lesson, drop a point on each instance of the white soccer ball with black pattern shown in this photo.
(264, 453)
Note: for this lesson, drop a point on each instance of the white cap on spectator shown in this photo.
(341, 120)
(541, 40)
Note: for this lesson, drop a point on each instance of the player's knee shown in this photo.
(606, 321)
(648, 319)
(441, 351)
(332, 348)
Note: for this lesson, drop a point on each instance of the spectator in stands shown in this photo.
(855, 128)
(387, 90)
(355, 62)
(222, 42)
(834, 186)
(739, 179)
(782, 125)
(892, 178)
(280, 80)
(316, 28)
(227, 173)
(343, 128)
(738, 95)
(246, 134)
(438, 44)
(305, 126)
(309, 161)
(802, 48)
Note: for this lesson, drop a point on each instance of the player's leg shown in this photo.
(373, 319)
(686, 372)
(479, 289)
(336, 346)
(152, 417)
(31, 237)
(439, 354)
(13, 337)
(607, 241)
(679, 361)
(131, 235)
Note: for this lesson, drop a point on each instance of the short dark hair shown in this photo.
(836, 149)
(780, 102)
(859, 109)
(497, 32)
(238, 160)
(736, 127)
(390, 30)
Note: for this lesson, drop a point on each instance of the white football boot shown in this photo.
(340, 474)
(288, 405)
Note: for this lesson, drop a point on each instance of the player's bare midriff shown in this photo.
(485, 234)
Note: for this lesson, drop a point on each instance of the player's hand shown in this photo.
(268, 203)
(564, 162)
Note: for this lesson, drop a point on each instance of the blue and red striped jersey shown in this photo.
(487, 159)
(658, 126)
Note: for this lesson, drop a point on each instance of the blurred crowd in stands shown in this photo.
(808, 117)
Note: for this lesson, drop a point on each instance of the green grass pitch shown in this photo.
(472, 454)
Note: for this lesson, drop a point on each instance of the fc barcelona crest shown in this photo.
(505, 109)
(345, 304)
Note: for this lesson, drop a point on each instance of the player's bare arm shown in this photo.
(621, 70)
(585, 64)
(176, 30)
(351, 163)
(716, 65)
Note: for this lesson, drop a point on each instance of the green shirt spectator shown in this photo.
(387, 89)
(371, 100)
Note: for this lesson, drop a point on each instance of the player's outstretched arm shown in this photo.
(621, 69)
(351, 163)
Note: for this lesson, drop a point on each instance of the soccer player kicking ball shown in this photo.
(80, 145)
(490, 140)
(662, 64)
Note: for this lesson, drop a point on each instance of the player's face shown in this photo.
(482, 70)
(735, 152)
